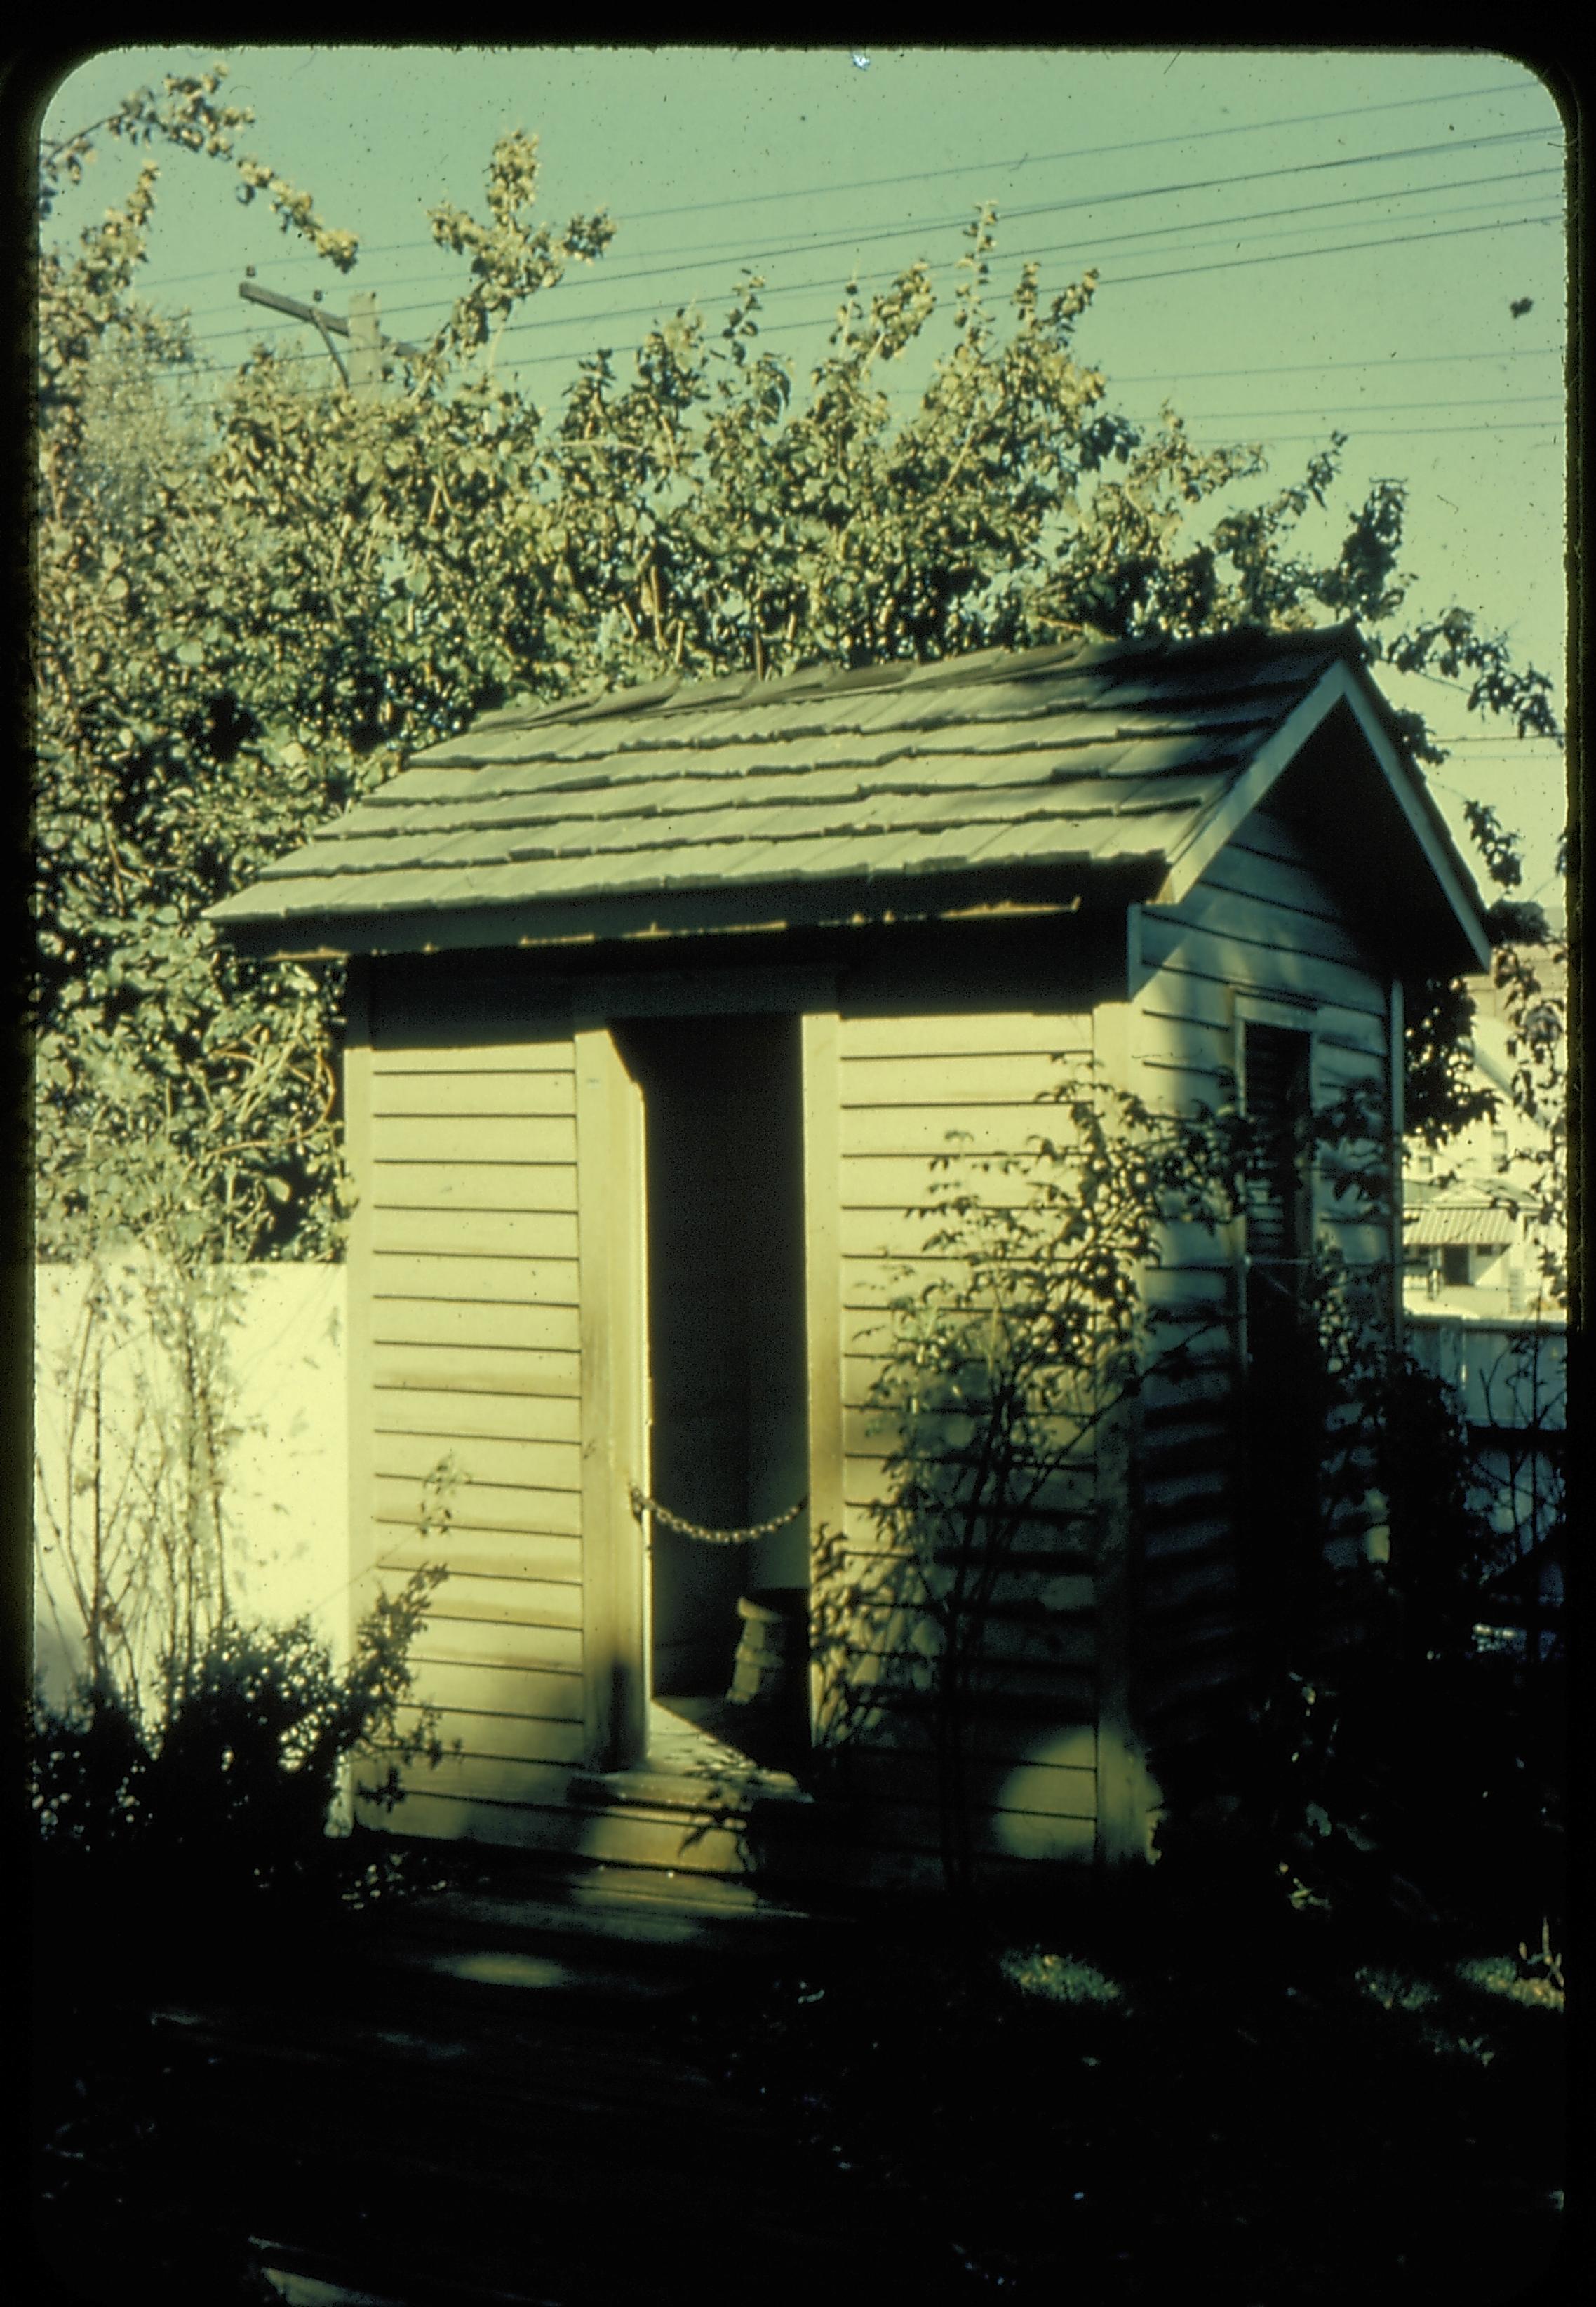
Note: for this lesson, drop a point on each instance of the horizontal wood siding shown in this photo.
(913, 1088)
(472, 1261)
(1263, 921)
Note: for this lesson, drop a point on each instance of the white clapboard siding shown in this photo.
(476, 1369)
(480, 1140)
(1261, 920)
(512, 1737)
(1192, 1001)
(471, 1416)
(925, 1131)
(472, 1276)
(452, 1640)
(954, 1033)
(408, 1321)
(896, 1186)
(1196, 948)
(1066, 1490)
(912, 1090)
(478, 1553)
(868, 1433)
(490, 1599)
(487, 1096)
(939, 1079)
(457, 1233)
(522, 1462)
(495, 1504)
(404, 1183)
(492, 1778)
(475, 1279)
(524, 1693)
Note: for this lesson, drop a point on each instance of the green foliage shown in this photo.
(1442, 1095)
(1387, 1744)
(193, 1739)
(244, 627)
(1534, 979)
(231, 1783)
(1001, 1375)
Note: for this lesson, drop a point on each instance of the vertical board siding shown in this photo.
(1261, 921)
(472, 1361)
(912, 1091)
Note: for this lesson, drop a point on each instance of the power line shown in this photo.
(604, 279)
(1375, 408)
(813, 245)
(1365, 432)
(1313, 368)
(1098, 151)
(970, 167)
(1441, 681)
(1108, 281)
(1129, 279)
(1385, 362)
(809, 243)
(1397, 240)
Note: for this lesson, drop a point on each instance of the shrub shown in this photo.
(233, 1789)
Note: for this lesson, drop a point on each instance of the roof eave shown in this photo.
(760, 909)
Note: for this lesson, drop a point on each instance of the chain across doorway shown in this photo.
(641, 1504)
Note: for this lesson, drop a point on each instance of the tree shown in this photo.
(238, 639)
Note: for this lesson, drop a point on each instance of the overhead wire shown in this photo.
(1100, 151)
(1180, 230)
(610, 279)
(970, 167)
(812, 244)
(1366, 432)
(1373, 408)
(1111, 281)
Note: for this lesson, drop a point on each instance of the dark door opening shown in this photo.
(727, 1359)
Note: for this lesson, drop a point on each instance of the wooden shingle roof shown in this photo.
(739, 801)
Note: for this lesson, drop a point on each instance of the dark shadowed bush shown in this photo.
(231, 1792)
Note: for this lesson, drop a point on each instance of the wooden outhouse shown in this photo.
(660, 1004)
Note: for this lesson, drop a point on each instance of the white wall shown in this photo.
(287, 1491)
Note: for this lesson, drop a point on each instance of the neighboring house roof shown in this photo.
(1086, 769)
(1445, 1222)
(1473, 1209)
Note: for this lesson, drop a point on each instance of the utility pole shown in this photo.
(362, 376)
(366, 346)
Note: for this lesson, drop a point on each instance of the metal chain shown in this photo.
(642, 1504)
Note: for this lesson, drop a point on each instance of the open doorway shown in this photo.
(728, 1369)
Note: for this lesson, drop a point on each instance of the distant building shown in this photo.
(1472, 1238)
(1478, 1314)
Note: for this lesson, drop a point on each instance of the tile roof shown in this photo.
(1084, 755)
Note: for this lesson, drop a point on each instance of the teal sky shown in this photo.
(1288, 243)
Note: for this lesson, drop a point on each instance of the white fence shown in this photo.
(1512, 1379)
(286, 1484)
